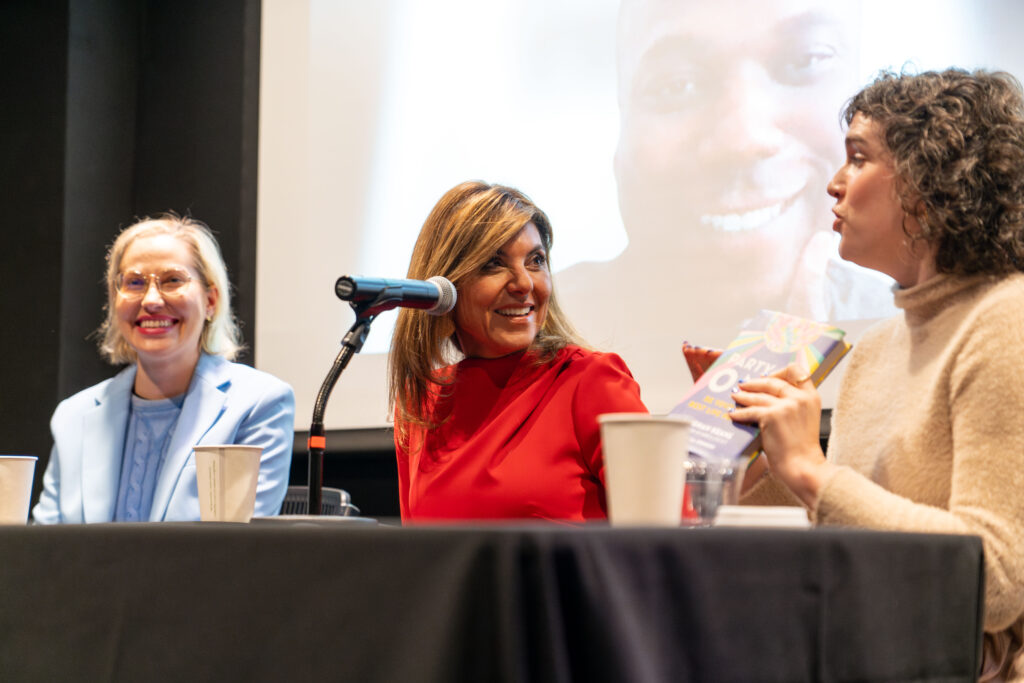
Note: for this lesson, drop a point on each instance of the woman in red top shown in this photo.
(496, 403)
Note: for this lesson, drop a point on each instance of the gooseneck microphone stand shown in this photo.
(373, 297)
(351, 344)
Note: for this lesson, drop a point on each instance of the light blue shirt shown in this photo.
(150, 426)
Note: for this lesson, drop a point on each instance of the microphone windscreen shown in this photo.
(446, 300)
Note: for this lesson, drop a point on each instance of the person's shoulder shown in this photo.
(1004, 295)
(593, 355)
(68, 414)
(572, 353)
(996, 316)
(94, 395)
(583, 358)
(600, 382)
(988, 306)
(259, 377)
(245, 376)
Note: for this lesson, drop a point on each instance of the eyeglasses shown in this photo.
(134, 285)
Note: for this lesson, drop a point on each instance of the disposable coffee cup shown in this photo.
(226, 476)
(16, 474)
(644, 461)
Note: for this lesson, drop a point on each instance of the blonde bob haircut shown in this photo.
(465, 229)
(220, 333)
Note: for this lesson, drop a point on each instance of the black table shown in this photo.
(333, 602)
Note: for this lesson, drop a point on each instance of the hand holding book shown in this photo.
(767, 344)
(787, 409)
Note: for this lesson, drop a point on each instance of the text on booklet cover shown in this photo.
(767, 343)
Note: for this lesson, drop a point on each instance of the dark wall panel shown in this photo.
(113, 109)
(193, 127)
(33, 80)
(100, 170)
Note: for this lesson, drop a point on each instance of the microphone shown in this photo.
(436, 295)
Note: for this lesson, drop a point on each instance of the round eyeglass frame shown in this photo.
(167, 289)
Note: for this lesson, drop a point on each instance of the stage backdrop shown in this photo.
(680, 148)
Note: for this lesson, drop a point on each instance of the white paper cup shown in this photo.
(16, 473)
(226, 476)
(644, 459)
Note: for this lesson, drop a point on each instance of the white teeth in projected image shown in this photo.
(742, 222)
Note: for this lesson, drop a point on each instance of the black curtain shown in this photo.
(113, 110)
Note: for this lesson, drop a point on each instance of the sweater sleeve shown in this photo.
(984, 378)
(770, 491)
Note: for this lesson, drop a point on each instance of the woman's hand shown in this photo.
(787, 409)
(699, 359)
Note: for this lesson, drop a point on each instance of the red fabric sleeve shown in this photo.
(403, 469)
(605, 386)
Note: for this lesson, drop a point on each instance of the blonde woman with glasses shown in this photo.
(123, 448)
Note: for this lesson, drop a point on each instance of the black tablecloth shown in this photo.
(279, 602)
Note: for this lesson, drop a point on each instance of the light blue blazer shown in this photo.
(226, 403)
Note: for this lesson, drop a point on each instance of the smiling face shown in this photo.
(869, 214)
(501, 309)
(163, 328)
(728, 120)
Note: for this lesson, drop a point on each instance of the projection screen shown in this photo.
(680, 148)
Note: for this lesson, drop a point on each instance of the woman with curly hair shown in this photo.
(927, 434)
(496, 403)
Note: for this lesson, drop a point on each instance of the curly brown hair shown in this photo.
(957, 142)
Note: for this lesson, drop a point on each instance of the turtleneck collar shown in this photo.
(500, 370)
(925, 300)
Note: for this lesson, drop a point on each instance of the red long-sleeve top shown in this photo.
(516, 439)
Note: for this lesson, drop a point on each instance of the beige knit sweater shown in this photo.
(928, 436)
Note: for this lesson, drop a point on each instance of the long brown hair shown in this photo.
(462, 233)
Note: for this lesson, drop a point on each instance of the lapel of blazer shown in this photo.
(103, 429)
(203, 405)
